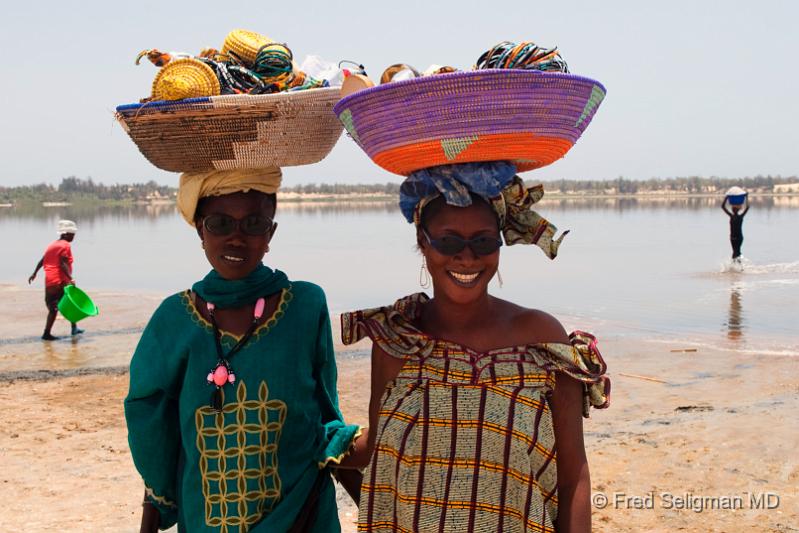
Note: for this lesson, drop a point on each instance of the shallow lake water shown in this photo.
(629, 268)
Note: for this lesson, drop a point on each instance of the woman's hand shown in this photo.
(351, 480)
(360, 453)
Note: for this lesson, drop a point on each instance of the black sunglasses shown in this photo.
(252, 225)
(452, 244)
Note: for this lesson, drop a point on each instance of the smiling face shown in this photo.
(235, 255)
(462, 277)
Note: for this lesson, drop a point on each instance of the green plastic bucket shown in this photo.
(76, 305)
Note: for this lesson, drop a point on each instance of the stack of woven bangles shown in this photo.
(526, 55)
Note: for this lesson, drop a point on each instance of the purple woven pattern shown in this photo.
(475, 103)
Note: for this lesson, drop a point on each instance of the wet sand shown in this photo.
(708, 428)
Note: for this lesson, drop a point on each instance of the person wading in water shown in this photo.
(57, 263)
(736, 226)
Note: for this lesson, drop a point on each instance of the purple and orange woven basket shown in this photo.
(528, 117)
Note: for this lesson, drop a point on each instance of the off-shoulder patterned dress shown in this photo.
(465, 440)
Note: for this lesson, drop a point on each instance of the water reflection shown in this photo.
(735, 319)
(62, 355)
(87, 212)
(669, 203)
(91, 212)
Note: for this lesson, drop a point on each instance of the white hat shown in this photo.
(66, 226)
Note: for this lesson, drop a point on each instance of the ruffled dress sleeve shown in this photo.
(581, 360)
(338, 437)
(151, 412)
(389, 327)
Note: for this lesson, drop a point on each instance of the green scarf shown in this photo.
(226, 293)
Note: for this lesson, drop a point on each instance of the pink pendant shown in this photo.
(220, 375)
(231, 378)
(210, 377)
(259, 308)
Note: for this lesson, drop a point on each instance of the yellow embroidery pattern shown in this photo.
(161, 500)
(238, 459)
(229, 338)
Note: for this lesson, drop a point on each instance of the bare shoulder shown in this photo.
(533, 325)
(385, 367)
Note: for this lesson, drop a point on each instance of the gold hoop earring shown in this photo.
(424, 275)
(499, 279)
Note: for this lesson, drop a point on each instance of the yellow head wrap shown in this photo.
(196, 185)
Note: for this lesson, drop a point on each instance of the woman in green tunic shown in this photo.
(232, 410)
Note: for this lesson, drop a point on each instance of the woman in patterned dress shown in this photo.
(477, 403)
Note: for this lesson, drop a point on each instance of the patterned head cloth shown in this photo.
(196, 185)
(498, 184)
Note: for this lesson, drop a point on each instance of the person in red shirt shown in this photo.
(57, 263)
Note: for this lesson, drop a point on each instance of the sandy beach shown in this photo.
(693, 440)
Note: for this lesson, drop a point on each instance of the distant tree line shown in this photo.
(343, 188)
(691, 185)
(74, 189)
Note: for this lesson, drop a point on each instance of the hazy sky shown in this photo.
(694, 87)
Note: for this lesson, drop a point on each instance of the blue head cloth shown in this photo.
(494, 181)
(454, 183)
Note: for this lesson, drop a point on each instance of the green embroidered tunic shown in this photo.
(252, 466)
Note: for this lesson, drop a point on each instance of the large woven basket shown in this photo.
(531, 118)
(235, 131)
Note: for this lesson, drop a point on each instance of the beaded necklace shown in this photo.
(222, 373)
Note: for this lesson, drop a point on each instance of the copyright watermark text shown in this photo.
(686, 501)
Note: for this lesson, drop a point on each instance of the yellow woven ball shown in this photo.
(245, 44)
(185, 78)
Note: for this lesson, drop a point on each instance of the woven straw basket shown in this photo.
(235, 131)
(530, 118)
